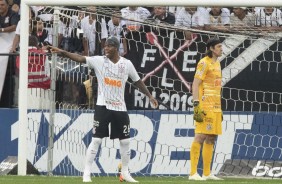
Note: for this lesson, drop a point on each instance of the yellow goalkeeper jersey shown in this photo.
(210, 89)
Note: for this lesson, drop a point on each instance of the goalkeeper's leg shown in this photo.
(207, 158)
(194, 157)
(90, 156)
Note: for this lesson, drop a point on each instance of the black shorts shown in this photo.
(119, 120)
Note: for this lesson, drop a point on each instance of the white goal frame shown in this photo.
(23, 83)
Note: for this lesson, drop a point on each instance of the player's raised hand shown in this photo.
(73, 56)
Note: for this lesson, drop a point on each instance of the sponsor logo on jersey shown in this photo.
(201, 68)
(113, 103)
(112, 82)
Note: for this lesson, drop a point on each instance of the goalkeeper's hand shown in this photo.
(199, 114)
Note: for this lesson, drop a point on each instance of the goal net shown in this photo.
(60, 117)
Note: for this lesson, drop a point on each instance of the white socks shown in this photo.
(91, 154)
(124, 154)
(93, 149)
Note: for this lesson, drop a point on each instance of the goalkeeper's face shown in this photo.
(217, 50)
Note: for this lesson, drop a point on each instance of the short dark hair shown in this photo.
(33, 41)
(113, 41)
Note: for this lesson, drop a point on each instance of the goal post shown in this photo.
(23, 108)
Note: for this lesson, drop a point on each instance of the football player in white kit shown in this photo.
(112, 72)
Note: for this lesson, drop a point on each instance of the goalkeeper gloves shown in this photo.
(199, 114)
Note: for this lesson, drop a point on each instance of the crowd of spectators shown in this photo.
(84, 32)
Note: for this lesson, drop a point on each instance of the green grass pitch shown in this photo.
(111, 180)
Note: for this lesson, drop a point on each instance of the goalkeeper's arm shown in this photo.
(195, 89)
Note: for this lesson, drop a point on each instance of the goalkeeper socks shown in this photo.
(194, 157)
(124, 154)
(207, 158)
(91, 154)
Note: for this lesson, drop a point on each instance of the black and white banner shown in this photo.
(167, 65)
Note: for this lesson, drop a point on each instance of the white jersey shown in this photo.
(112, 78)
(131, 16)
(222, 19)
(199, 18)
(65, 30)
(116, 31)
(274, 19)
(18, 29)
(89, 32)
(248, 21)
(48, 17)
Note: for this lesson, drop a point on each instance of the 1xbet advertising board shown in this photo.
(160, 141)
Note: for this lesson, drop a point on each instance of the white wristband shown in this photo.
(2, 30)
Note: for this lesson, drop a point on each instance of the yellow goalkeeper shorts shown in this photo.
(211, 124)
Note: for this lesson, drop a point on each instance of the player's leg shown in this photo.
(100, 130)
(90, 156)
(120, 128)
(207, 154)
(208, 146)
(207, 158)
(194, 156)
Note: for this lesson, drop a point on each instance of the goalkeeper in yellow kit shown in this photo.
(206, 92)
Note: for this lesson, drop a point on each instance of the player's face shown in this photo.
(3, 6)
(39, 26)
(215, 11)
(159, 10)
(116, 20)
(238, 11)
(268, 10)
(217, 50)
(110, 51)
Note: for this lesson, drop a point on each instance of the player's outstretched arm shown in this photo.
(142, 87)
(75, 57)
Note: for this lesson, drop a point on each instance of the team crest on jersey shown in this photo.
(209, 126)
(121, 68)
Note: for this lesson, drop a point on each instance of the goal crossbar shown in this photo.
(155, 2)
